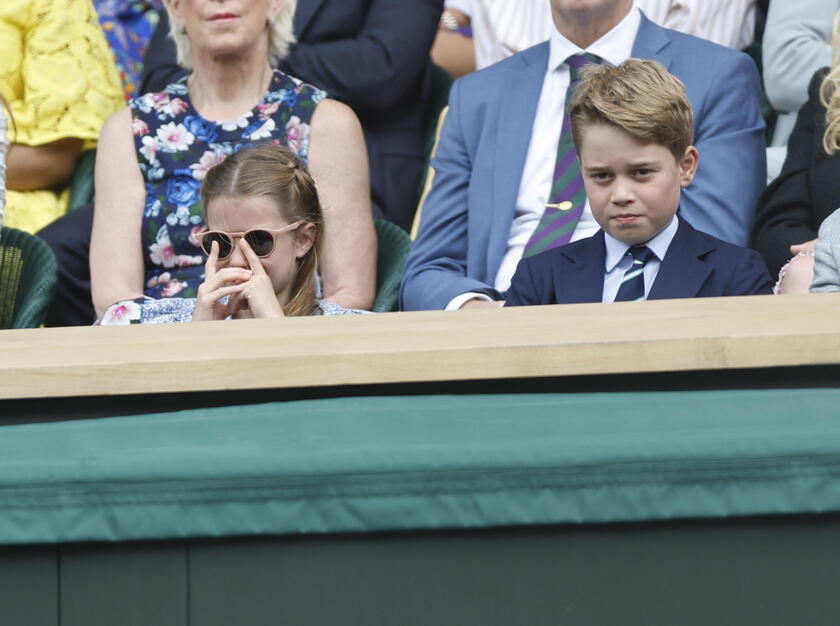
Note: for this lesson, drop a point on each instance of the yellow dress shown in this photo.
(59, 78)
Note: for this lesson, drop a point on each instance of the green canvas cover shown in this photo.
(421, 462)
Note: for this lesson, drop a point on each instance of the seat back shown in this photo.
(438, 97)
(433, 117)
(81, 187)
(393, 249)
(27, 279)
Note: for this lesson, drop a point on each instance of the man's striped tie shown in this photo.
(633, 283)
(567, 196)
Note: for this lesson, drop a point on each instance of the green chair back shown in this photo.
(393, 249)
(438, 98)
(27, 279)
(81, 187)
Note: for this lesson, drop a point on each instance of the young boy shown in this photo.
(633, 128)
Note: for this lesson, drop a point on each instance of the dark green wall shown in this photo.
(761, 571)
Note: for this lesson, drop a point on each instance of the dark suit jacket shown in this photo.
(372, 55)
(696, 265)
(807, 191)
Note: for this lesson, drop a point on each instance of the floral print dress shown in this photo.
(175, 149)
(179, 310)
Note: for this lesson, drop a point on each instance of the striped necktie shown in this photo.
(633, 284)
(567, 196)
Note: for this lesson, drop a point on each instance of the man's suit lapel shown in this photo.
(582, 279)
(519, 95)
(652, 42)
(682, 274)
(306, 10)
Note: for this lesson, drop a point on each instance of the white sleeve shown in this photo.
(458, 301)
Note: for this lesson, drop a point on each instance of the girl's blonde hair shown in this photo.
(275, 172)
(280, 35)
(830, 94)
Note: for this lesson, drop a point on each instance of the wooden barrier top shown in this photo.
(547, 341)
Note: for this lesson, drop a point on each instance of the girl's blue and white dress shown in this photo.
(173, 310)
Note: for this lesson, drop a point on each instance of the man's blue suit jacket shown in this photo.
(696, 265)
(478, 164)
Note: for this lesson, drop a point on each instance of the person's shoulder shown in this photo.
(650, 28)
(148, 101)
(282, 83)
(514, 63)
(704, 55)
(118, 119)
(334, 119)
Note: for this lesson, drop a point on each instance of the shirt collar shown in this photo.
(615, 46)
(658, 245)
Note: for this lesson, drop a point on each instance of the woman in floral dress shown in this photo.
(154, 154)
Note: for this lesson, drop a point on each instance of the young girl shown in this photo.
(262, 240)
(806, 193)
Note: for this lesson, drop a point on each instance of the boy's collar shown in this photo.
(658, 245)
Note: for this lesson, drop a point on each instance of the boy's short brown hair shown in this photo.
(639, 97)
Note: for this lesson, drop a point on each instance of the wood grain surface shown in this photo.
(565, 340)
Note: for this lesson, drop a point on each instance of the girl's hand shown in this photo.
(218, 284)
(257, 294)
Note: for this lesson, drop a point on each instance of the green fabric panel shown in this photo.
(421, 462)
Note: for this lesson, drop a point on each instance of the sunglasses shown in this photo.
(261, 240)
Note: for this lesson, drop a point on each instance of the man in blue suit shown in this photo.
(494, 162)
(633, 128)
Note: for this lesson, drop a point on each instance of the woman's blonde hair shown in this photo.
(280, 35)
(830, 94)
(275, 172)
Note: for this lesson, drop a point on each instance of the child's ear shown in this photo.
(304, 239)
(688, 166)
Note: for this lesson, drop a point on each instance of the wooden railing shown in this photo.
(569, 340)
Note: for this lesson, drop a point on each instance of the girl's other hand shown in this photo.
(228, 281)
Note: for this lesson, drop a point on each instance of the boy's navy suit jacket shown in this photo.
(696, 265)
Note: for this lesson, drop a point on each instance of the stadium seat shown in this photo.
(27, 279)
